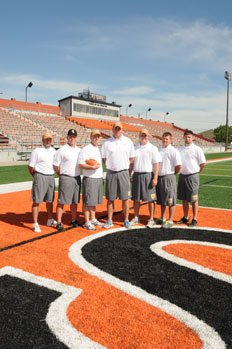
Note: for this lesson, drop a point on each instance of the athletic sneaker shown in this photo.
(183, 220)
(89, 226)
(193, 223)
(51, 222)
(167, 225)
(97, 223)
(36, 228)
(150, 223)
(135, 220)
(60, 227)
(108, 224)
(160, 221)
(127, 224)
(75, 224)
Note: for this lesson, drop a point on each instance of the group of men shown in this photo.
(154, 177)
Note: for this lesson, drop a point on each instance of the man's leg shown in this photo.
(86, 213)
(59, 212)
(49, 207)
(125, 208)
(185, 208)
(151, 207)
(163, 212)
(110, 209)
(35, 212)
(136, 208)
(195, 209)
(172, 210)
(73, 208)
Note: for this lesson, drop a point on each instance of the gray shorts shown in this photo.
(188, 186)
(118, 185)
(43, 188)
(142, 189)
(69, 190)
(92, 191)
(166, 190)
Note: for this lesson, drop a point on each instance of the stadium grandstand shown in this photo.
(22, 124)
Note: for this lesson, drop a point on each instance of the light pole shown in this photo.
(227, 76)
(29, 85)
(129, 106)
(149, 109)
(165, 115)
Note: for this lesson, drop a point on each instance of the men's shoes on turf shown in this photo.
(75, 224)
(97, 223)
(150, 223)
(183, 220)
(51, 222)
(60, 227)
(108, 225)
(36, 228)
(89, 226)
(193, 223)
(135, 220)
(127, 224)
(167, 225)
(159, 221)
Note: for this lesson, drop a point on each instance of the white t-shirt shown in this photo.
(66, 158)
(192, 156)
(117, 153)
(145, 157)
(91, 152)
(170, 159)
(41, 160)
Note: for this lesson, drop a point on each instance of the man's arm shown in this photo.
(202, 166)
(177, 169)
(31, 170)
(156, 172)
(57, 169)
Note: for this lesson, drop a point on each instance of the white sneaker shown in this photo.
(89, 226)
(97, 223)
(51, 222)
(135, 220)
(36, 228)
(150, 223)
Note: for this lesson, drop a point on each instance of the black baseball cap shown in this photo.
(72, 132)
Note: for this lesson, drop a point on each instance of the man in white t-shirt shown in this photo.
(193, 162)
(40, 167)
(92, 180)
(65, 165)
(117, 154)
(166, 187)
(146, 167)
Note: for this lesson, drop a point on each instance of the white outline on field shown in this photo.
(207, 334)
(157, 248)
(56, 318)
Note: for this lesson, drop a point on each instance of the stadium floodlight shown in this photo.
(165, 116)
(227, 76)
(29, 85)
(129, 106)
(149, 109)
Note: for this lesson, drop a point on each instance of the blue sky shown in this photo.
(167, 55)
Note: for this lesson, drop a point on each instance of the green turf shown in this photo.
(218, 155)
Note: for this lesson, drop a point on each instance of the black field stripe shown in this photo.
(127, 256)
(24, 307)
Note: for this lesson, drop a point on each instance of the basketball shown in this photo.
(91, 162)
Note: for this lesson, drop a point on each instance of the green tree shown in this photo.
(220, 134)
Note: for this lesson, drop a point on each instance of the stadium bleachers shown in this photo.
(22, 125)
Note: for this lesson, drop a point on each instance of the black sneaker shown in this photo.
(75, 224)
(60, 227)
(193, 223)
(183, 220)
